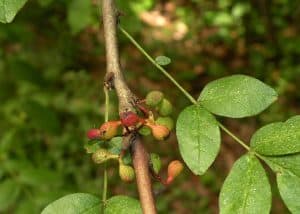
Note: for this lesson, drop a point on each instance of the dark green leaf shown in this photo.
(122, 205)
(77, 203)
(237, 96)
(9, 9)
(278, 138)
(198, 138)
(246, 189)
(9, 191)
(162, 60)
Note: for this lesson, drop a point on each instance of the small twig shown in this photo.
(114, 78)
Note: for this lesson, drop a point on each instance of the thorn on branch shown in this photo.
(109, 81)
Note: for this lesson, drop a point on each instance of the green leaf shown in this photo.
(9, 9)
(246, 189)
(162, 60)
(77, 203)
(278, 138)
(9, 191)
(79, 15)
(237, 96)
(92, 146)
(287, 168)
(289, 188)
(198, 138)
(122, 205)
(290, 163)
(42, 117)
(115, 145)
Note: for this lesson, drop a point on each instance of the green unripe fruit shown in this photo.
(165, 108)
(145, 131)
(126, 173)
(154, 98)
(165, 121)
(102, 155)
(155, 162)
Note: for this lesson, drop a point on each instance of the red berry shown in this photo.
(93, 134)
(129, 118)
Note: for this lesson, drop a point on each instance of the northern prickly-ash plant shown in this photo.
(198, 129)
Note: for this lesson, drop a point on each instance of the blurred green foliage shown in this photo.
(52, 63)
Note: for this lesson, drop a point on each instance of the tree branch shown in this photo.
(127, 99)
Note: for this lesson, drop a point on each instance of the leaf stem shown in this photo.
(106, 113)
(104, 192)
(157, 65)
(192, 99)
(242, 143)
